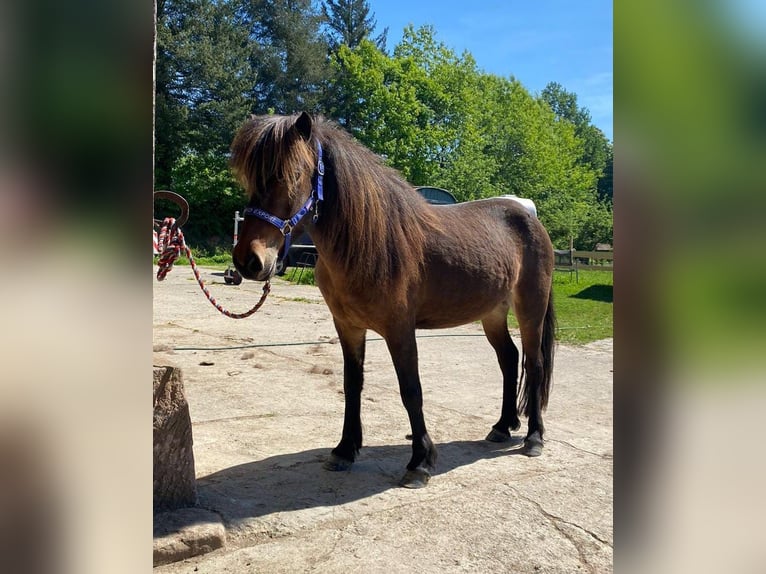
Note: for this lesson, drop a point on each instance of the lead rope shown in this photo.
(170, 244)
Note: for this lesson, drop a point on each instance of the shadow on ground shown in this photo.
(297, 481)
(603, 293)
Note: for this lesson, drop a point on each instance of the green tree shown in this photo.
(289, 53)
(204, 73)
(379, 105)
(596, 147)
(206, 182)
(564, 104)
(605, 183)
(411, 107)
(458, 157)
(349, 22)
(428, 111)
(440, 121)
(217, 62)
(597, 226)
(537, 156)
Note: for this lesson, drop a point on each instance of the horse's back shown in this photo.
(497, 221)
(472, 267)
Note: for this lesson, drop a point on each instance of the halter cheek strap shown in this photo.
(314, 200)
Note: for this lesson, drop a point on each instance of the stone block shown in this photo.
(174, 481)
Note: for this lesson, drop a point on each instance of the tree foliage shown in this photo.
(438, 119)
(204, 72)
(206, 182)
(349, 22)
(289, 54)
(220, 60)
(429, 112)
(597, 151)
(605, 184)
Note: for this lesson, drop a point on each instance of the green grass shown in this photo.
(303, 300)
(583, 308)
(294, 275)
(218, 261)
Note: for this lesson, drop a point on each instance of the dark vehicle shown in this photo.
(436, 195)
(302, 252)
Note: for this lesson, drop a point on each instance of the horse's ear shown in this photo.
(303, 125)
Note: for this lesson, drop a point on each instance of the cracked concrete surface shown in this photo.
(269, 408)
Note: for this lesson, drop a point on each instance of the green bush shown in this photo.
(597, 227)
(213, 195)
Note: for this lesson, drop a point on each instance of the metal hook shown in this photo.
(179, 201)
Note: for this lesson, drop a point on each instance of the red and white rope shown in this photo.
(171, 243)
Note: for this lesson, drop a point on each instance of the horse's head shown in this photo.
(275, 161)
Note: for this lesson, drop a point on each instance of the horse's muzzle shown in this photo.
(254, 268)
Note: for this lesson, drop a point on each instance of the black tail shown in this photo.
(547, 349)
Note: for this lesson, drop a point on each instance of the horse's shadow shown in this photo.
(297, 481)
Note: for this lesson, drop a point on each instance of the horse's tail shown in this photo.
(547, 349)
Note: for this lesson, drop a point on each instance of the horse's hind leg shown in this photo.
(532, 405)
(352, 342)
(496, 329)
(404, 353)
(536, 323)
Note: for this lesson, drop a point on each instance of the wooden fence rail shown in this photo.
(573, 260)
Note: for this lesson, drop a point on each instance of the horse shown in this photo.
(392, 263)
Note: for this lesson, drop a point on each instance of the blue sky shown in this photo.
(535, 41)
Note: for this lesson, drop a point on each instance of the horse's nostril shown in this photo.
(254, 264)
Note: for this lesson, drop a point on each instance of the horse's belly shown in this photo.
(448, 320)
(444, 312)
(442, 322)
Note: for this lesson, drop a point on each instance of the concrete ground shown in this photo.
(266, 403)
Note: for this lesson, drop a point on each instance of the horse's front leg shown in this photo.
(352, 342)
(404, 354)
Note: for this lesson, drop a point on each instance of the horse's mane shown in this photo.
(375, 222)
(266, 148)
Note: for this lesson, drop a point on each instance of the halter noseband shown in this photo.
(286, 226)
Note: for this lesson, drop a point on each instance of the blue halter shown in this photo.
(286, 225)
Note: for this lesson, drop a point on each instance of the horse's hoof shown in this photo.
(336, 463)
(417, 478)
(498, 436)
(533, 445)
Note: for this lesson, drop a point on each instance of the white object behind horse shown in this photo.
(528, 204)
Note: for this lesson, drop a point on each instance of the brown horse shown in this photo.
(392, 263)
